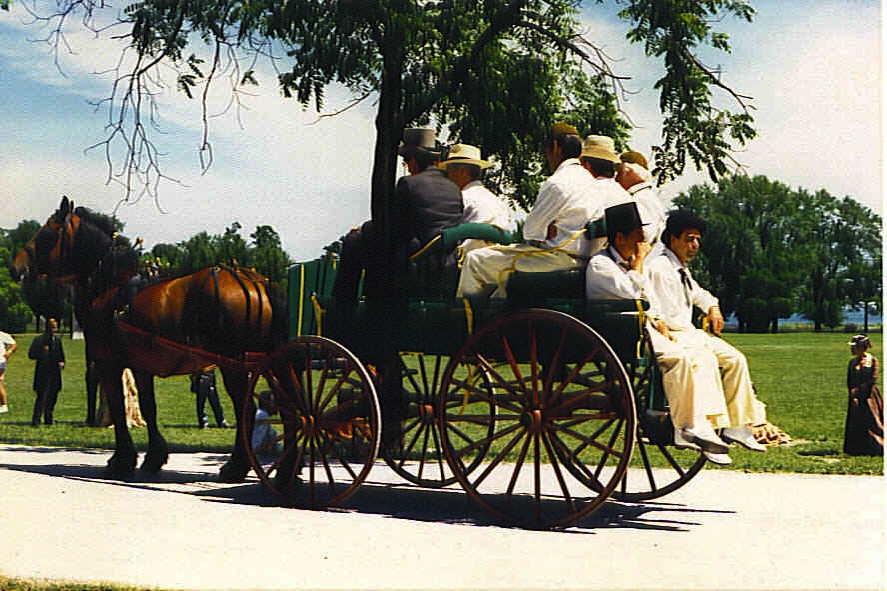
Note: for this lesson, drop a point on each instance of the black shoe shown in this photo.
(223, 424)
(204, 425)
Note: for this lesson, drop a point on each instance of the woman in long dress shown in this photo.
(864, 429)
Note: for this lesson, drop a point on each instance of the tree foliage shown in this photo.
(494, 73)
(264, 253)
(14, 310)
(771, 251)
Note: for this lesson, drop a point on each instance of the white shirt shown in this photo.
(610, 276)
(651, 210)
(674, 301)
(481, 205)
(569, 199)
(6, 340)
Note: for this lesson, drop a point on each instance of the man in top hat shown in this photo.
(554, 228)
(424, 203)
(717, 388)
(464, 167)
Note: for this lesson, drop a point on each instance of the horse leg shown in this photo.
(123, 461)
(158, 450)
(238, 465)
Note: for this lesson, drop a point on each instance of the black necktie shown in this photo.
(685, 280)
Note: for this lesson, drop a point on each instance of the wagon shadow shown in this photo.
(375, 497)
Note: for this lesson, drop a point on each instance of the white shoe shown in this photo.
(743, 436)
(3, 409)
(721, 459)
(704, 439)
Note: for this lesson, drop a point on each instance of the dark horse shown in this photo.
(213, 317)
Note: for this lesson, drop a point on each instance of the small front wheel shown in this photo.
(319, 435)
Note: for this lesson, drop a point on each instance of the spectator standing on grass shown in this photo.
(864, 428)
(203, 384)
(49, 354)
(8, 346)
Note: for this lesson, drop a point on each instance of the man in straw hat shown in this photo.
(464, 167)
(706, 379)
(554, 228)
(424, 203)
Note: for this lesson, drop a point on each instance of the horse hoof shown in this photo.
(154, 462)
(120, 467)
(231, 473)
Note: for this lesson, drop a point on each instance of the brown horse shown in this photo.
(173, 327)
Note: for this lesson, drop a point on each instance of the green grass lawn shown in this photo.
(799, 375)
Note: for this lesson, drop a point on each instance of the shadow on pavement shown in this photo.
(398, 501)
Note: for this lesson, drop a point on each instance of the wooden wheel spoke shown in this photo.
(648, 468)
(590, 440)
(500, 457)
(558, 473)
(518, 464)
(484, 442)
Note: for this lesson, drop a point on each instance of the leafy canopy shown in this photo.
(494, 73)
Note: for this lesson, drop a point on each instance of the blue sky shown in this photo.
(813, 68)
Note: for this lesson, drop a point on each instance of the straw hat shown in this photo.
(464, 154)
(600, 146)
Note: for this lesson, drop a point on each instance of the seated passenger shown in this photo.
(634, 176)
(689, 361)
(424, 203)
(555, 228)
(464, 167)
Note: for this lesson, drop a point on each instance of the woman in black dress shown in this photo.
(864, 429)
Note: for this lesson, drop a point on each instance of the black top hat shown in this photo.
(418, 139)
(623, 218)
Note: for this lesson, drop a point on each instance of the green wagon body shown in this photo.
(541, 407)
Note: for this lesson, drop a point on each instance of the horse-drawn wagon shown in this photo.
(541, 406)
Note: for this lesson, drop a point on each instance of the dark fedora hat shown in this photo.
(418, 139)
(623, 218)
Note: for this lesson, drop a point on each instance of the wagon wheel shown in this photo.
(421, 459)
(563, 405)
(657, 468)
(327, 420)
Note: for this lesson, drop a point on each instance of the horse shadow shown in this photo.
(409, 502)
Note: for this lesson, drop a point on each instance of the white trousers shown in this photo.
(485, 271)
(705, 377)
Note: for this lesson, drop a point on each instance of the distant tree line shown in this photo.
(263, 252)
(771, 251)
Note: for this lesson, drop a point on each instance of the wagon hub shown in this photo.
(532, 420)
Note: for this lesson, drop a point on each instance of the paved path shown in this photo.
(60, 520)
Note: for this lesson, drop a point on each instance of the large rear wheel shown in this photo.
(657, 468)
(324, 412)
(563, 407)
